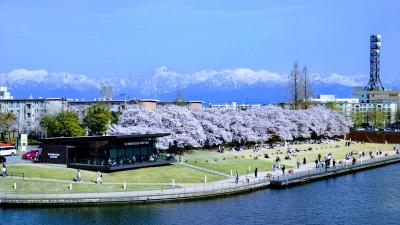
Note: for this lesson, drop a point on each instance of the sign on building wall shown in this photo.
(24, 142)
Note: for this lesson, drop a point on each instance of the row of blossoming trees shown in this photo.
(211, 126)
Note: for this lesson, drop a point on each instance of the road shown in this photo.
(16, 160)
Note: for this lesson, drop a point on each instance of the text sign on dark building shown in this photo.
(53, 155)
(130, 143)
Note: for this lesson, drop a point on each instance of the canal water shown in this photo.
(367, 197)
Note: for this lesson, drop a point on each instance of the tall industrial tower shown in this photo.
(374, 79)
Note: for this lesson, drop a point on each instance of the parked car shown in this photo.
(3, 159)
(8, 150)
(30, 154)
(2, 144)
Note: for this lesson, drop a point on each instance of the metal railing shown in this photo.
(337, 168)
(14, 174)
(156, 194)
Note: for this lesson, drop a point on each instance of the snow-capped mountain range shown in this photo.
(240, 84)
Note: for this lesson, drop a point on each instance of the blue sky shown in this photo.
(103, 38)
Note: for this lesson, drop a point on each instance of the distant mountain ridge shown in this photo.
(240, 84)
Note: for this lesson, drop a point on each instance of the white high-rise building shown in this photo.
(106, 91)
(5, 94)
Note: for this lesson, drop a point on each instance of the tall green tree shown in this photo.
(115, 116)
(397, 116)
(7, 124)
(49, 123)
(98, 118)
(358, 119)
(332, 105)
(377, 117)
(63, 124)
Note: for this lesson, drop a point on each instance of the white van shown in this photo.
(8, 150)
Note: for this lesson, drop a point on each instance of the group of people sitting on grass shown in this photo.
(256, 148)
(238, 148)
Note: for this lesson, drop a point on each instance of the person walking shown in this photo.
(334, 163)
(255, 172)
(316, 163)
(78, 176)
(4, 171)
(99, 176)
(298, 164)
(283, 169)
(237, 177)
(304, 161)
(327, 161)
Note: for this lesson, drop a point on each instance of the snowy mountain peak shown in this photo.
(162, 82)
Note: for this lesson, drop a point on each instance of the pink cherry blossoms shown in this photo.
(212, 126)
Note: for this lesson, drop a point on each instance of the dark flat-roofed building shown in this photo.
(105, 153)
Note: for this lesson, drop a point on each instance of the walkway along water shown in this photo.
(198, 191)
(282, 181)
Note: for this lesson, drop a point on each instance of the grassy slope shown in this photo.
(239, 161)
(162, 174)
(61, 187)
(245, 158)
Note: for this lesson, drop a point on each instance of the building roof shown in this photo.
(94, 101)
(377, 92)
(100, 138)
(32, 99)
(148, 100)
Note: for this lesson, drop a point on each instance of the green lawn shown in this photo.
(228, 161)
(162, 174)
(61, 187)
(225, 162)
(240, 161)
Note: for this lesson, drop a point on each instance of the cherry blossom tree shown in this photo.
(212, 126)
